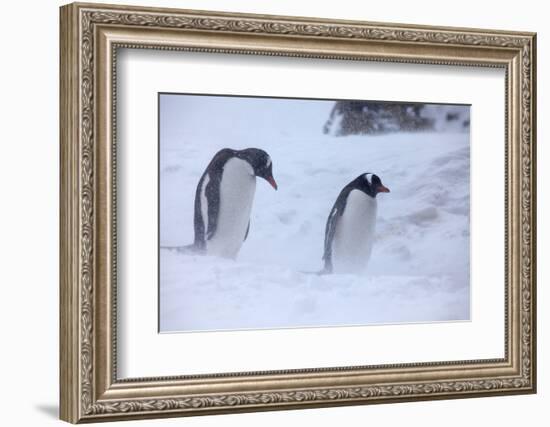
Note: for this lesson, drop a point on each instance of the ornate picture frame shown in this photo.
(91, 35)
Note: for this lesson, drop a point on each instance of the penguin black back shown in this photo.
(213, 173)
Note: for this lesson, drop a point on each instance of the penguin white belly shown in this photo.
(354, 234)
(237, 189)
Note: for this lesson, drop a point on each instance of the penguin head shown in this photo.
(261, 164)
(370, 184)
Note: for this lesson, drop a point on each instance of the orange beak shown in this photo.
(383, 189)
(271, 180)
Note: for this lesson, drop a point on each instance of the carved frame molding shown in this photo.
(90, 36)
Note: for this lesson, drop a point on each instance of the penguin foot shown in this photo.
(186, 249)
(318, 273)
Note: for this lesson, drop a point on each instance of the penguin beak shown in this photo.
(271, 180)
(383, 189)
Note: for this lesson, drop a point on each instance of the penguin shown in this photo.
(349, 232)
(224, 197)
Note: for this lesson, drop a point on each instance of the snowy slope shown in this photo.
(419, 268)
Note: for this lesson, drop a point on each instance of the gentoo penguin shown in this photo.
(223, 200)
(349, 233)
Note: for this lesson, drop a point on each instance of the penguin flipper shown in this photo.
(247, 230)
(330, 230)
(212, 194)
(199, 221)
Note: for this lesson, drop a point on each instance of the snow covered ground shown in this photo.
(419, 268)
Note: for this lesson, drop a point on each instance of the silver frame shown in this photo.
(90, 37)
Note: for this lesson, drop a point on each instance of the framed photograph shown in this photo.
(266, 212)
